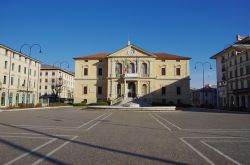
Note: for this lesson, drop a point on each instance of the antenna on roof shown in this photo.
(129, 39)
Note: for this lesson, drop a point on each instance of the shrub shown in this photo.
(38, 105)
(22, 105)
(58, 104)
(210, 106)
(79, 104)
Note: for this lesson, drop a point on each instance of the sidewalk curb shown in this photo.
(28, 109)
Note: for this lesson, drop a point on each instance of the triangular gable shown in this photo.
(131, 51)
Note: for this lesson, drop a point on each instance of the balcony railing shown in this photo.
(131, 75)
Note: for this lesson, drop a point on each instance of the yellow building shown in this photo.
(132, 73)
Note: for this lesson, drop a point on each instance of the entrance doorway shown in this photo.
(131, 89)
(118, 89)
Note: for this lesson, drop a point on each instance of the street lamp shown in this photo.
(203, 65)
(30, 46)
(60, 84)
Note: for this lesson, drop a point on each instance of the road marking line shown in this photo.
(217, 129)
(53, 151)
(160, 122)
(98, 122)
(214, 137)
(91, 121)
(41, 126)
(174, 125)
(221, 153)
(28, 153)
(27, 137)
(227, 141)
(197, 151)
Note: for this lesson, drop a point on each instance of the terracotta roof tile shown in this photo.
(44, 66)
(94, 56)
(158, 56)
(170, 56)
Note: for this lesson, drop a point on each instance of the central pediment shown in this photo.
(132, 51)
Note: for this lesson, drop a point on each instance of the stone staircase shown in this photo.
(127, 102)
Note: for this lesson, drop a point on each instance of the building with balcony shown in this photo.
(233, 75)
(56, 83)
(19, 78)
(132, 72)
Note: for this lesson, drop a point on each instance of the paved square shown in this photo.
(73, 136)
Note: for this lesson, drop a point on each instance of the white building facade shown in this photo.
(53, 80)
(233, 75)
(19, 78)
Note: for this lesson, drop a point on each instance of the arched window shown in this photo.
(131, 68)
(23, 98)
(144, 89)
(33, 99)
(17, 98)
(232, 101)
(28, 98)
(118, 68)
(243, 101)
(144, 69)
(3, 99)
(11, 99)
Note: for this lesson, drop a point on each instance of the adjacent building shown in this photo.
(19, 78)
(132, 72)
(206, 96)
(233, 75)
(56, 83)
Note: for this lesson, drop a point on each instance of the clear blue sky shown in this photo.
(70, 28)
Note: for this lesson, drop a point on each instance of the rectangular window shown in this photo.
(248, 69)
(163, 90)
(99, 71)
(85, 90)
(19, 68)
(13, 67)
(178, 71)
(235, 73)
(85, 71)
(178, 90)
(24, 70)
(163, 71)
(4, 79)
(241, 72)
(53, 80)
(53, 73)
(46, 80)
(46, 87)
(99, 90)
(5, 64)
(11, 80)
(242, 84)
(34, 73)
(46, 73)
